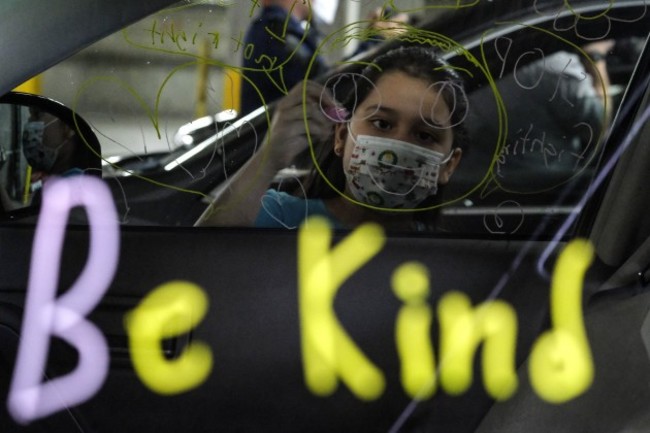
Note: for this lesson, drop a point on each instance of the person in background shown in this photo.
(50, 148)
(385, 23)
(285, 40)
(392, 146)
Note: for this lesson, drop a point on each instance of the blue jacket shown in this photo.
(277, 42)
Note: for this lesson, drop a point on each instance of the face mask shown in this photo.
(392, 174)
(39, 156)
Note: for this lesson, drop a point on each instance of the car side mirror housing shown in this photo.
(39, 139)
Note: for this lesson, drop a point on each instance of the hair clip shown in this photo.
(337, 113)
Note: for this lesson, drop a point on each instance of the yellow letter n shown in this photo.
(462, 329)
(328, 352)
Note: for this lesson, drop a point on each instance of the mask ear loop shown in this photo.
(445, 160)
(45, 125)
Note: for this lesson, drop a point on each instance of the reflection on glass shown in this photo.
(35, 145)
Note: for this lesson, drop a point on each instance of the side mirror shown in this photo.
(40, 138)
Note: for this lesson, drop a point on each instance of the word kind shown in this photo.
(561, 367)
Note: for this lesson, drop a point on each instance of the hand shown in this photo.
(600, 48)
(288, 133)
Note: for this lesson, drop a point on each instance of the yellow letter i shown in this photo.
(412, 331)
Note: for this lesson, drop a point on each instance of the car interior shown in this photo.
(502, 233)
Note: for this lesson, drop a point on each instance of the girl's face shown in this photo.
(405, 108)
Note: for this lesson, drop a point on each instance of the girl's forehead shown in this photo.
(399, 91)
(401, 83)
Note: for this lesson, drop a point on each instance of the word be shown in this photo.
(170, 310)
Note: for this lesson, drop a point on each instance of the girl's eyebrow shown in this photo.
(433, 123)
(376, 108)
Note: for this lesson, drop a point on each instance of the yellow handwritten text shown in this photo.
(561, 367)
(169, 310)
(412, 331)
(462, 329)
(328, 352)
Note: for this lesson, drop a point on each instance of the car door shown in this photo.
(257, 322)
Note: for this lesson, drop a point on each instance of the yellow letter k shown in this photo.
(328, 352)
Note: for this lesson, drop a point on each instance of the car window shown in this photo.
(136, 320)
(538, 115)
(558, 99)
(542, 89)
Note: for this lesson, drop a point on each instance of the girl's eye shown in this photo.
(426, 137)
(381, 124)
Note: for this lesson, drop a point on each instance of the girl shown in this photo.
(396, 143)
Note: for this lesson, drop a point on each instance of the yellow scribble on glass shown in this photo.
(328, 352)
(410, 284)
(561, 366)
(462, 330)
(171, 309)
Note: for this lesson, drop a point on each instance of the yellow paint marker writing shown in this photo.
(169, 310)
(413, 331)
(561, 366)
(462, 329)
(328, 352)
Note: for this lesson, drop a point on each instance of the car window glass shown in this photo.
(362, 330)
(557, 102)
(535, 125)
